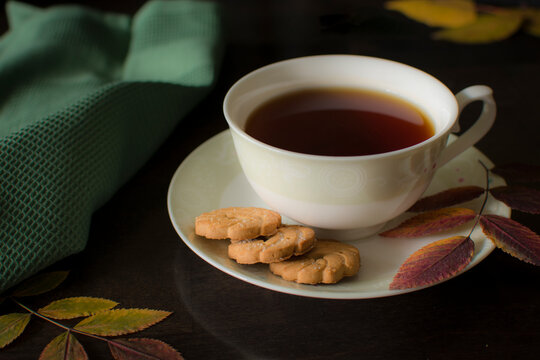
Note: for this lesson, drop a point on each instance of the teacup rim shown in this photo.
(445, 131)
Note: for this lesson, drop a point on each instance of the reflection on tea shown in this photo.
(339, 122)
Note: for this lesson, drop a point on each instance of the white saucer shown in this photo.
(211, 178)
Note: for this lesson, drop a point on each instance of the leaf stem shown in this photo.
(70, 330)
(39, 315)
(66, 348)
(485, 198)
(487, 187)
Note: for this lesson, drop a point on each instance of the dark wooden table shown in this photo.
(135, 257)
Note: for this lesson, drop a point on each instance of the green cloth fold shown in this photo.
(85, 98)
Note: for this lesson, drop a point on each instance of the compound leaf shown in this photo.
(74, 307)
(512, 237)
(486, 29)
(121, 321)
(518, 198)
(11, 326)
(64, 347)
(443, 13)
(434, 262)
(142, 349)
(447, 198)
(431, 222)
(40, 284)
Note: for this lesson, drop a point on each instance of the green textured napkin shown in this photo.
(85, 98)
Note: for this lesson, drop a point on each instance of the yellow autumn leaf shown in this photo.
(120, 321)
(65, 347)
(440, 13)
(74, 307)
(486, 29)
(532, 25)
(11, 326)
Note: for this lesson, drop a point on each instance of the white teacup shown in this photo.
(353, 196)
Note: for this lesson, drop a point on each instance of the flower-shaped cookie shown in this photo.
(237, 223)
(327, 263)
(288, 241)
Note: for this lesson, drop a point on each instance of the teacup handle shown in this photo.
(479, 128)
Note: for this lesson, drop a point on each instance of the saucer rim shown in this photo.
(318, 291)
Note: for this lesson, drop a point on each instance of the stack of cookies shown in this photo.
(257, 236)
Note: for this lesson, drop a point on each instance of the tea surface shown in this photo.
(338, 122)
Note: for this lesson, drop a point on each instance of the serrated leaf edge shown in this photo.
(502, 245)
(45, 313)
(25, 319)
(439, 279)
(83, 322)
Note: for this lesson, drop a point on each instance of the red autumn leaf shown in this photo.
(447, 198)
(512, 237)
(434, 262)
(142, 349)
(520, 173)
(431, 222)
(518, 197)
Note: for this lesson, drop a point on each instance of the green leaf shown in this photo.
(64, 347)
(431, 222)
(443, 13)
(142, 349)
(40, 284)
(487, 28)
(11, 326)
(434, 262)
(74, 307)
(121, 321)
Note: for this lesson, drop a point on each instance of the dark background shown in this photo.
(134, 256)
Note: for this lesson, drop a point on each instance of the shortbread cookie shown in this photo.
(327, 263)
(237, 223)
(288, 241)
